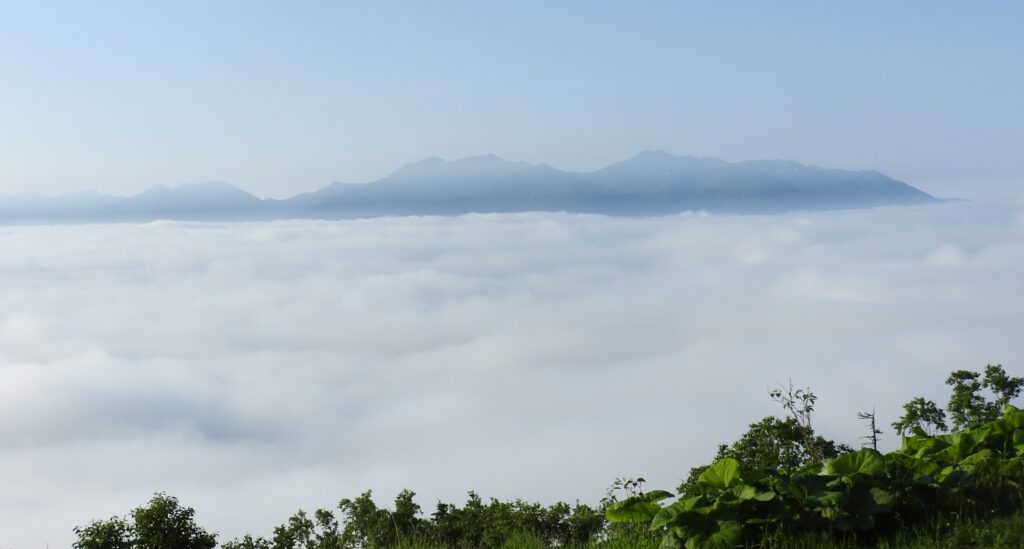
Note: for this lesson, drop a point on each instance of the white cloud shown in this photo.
(947, 255)
(255, 368)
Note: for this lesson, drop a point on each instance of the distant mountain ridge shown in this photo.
(650, 183)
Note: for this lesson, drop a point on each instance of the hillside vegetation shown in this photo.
(779, 485)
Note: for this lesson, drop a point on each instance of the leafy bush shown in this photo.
(771, 444)
(162, 524)
(974, 471)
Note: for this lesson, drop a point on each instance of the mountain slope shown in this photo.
(480, 184)
(650, 183)
(192, 201)
(663, 182)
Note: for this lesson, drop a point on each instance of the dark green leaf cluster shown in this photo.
(162, 524)
(480, 524)
(476, 524)
(920, 414)
(772, 444)
(968, 407)
(300, 531)
(979, 469)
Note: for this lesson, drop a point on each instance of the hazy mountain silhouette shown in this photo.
(68, 208)
(193, 201)
(658, 182)
(650, 183)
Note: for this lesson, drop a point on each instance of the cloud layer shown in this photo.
(255, 368)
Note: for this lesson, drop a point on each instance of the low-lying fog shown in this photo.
(255, 368)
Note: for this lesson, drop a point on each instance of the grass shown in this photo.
(626, 538)
(1006, 532)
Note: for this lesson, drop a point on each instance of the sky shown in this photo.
(252, 369)
(280, 98)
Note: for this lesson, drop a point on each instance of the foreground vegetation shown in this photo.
(779, 485)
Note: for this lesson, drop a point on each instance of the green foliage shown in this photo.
(722, 474)
(979, 470)
(1004, 387)
(165, 524)
(115, 533)
(799, 403)
(488, 524)
(367, 526)
(162, 524)
(952, 531)
(639, 508)
(968, 407)
(920, 414)
(476, 524)
(299, 532)
(779, 481)
(772, 444)
(248, 542)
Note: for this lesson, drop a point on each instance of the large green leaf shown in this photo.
(668, 513)
(747, 492)
(952, 479)
(641, 508)
(692, 523)
(883, 500)
(723, 474)
(865, 461)
(1018, 436)
(827, 499)
(789, 489)
(1013, 418)
(727, 535)
(804, 485)
(1013, 470)
(987, 435)
(977, 458)
(929, 446)
(961, 445)
(979, 461)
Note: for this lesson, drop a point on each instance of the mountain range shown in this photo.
(650, 183)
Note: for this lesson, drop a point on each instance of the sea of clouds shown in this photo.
(255, 368)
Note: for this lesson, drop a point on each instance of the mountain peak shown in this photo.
(489, 157)
(485, 161)
(156, 188)
(214, 185)
(182, 201)
(653, 155)
(475, 167)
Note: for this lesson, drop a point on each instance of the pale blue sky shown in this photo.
(283, 97)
